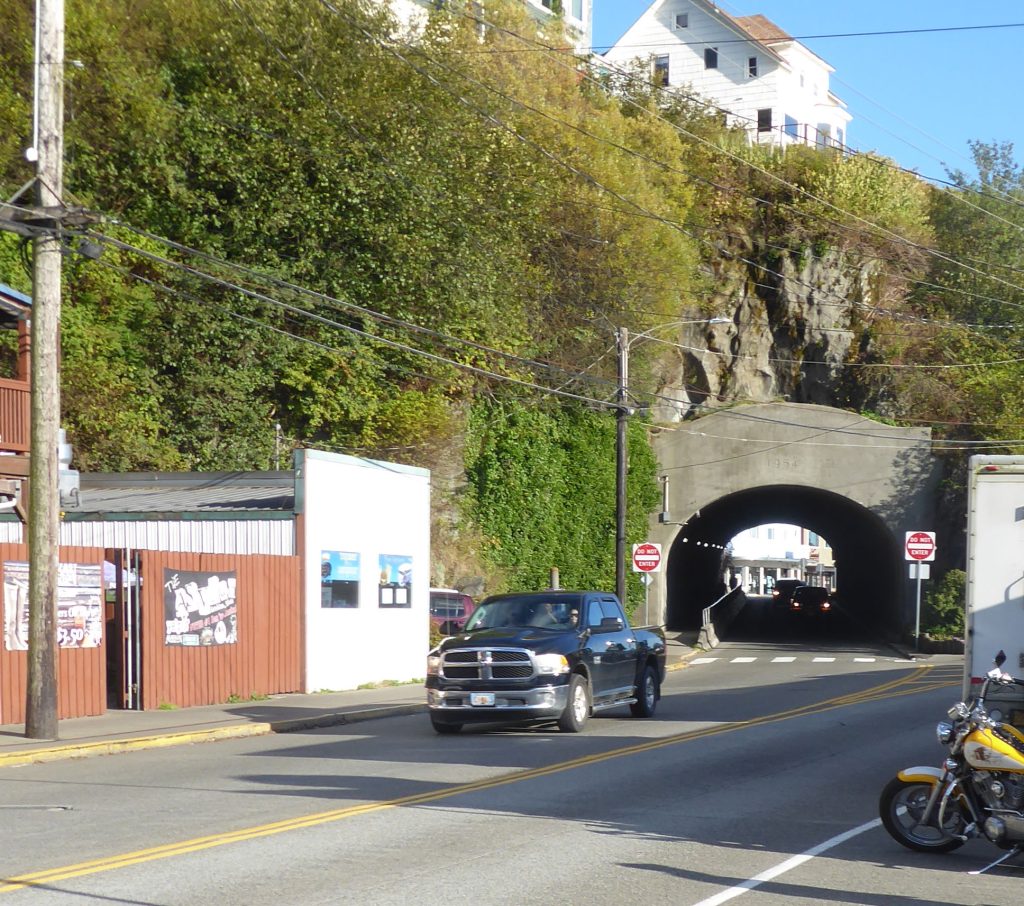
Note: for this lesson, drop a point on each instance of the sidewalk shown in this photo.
(125, 731)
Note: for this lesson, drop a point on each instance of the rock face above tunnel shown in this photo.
(792, 324)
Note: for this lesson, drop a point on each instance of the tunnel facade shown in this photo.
(859, 484)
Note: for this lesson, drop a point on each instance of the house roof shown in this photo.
(210, 495)
(13, 306)
(765, 32)
(761, 28)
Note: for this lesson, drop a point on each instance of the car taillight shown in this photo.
(825, 605)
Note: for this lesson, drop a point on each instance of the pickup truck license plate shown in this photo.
(481, 699)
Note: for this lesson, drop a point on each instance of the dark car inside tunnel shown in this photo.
(869, 563)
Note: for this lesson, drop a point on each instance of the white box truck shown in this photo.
(995, 573)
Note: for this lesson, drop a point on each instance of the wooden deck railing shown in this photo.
(15, 416)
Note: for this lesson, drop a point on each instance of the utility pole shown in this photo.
(44, 503)
(622, 414)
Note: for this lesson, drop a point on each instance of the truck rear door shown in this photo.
(617, 650)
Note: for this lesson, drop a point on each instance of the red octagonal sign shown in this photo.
(920, 546)
(646, 558)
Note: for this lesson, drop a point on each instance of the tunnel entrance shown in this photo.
(868, 558)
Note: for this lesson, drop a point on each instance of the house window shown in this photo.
(812, 539)
(771, 534)
(711, 58)
(839, 137)
(682, 20)
(764, 120)
(790, 127)
(824, 134)
(577, 9)
(661, 70)
(752, 67)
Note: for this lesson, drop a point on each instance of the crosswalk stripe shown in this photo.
(788, 659)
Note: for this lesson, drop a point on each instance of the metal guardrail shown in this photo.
(706, 614)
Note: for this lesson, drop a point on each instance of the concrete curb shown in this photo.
(684, 660)
(344, 717)
(191, 737)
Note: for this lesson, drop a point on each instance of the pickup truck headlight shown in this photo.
(433, 663)
(552, 664)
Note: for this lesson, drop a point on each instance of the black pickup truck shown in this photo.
(544, 656)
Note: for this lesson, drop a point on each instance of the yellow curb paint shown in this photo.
(235, 731)
(111, 747)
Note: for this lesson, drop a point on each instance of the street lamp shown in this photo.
(624, 342)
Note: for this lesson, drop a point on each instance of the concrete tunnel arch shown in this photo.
(868, 557)
(858, 483)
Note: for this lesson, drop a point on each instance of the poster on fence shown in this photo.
(79, 605)
(199, 608)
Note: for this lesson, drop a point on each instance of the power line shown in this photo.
(847, 34)
(300, 312)
(693, 136)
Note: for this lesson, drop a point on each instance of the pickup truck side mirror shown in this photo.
(609, 624)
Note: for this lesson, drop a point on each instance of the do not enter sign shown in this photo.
(920, 546)
(646, 558)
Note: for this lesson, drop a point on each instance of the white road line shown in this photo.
(823, 660)
(743, 660)
(863, 660)
(788, 865)
(783, 660)
(703, 660)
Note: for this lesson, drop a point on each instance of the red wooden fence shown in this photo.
(265, 658)
(81, 672)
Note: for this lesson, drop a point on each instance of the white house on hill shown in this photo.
(761, 77)
(577, 15)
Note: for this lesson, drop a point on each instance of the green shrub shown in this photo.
(942, 616)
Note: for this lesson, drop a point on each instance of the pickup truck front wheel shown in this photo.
(646, 694)
(574, 717)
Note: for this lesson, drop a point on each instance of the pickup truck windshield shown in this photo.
(549, 612)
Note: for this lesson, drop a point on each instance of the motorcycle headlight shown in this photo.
(552, 664)
(433, 663)
(944, 732)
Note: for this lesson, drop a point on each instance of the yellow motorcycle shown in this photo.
(978, 791)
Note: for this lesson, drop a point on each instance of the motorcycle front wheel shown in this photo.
(901, 807)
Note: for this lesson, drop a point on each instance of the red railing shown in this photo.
(15, 416)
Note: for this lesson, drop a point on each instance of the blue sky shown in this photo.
(918, 99)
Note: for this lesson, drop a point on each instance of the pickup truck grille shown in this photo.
(487, 663)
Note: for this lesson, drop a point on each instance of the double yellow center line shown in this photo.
(917, 681)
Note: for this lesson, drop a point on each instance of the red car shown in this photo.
(449, 610)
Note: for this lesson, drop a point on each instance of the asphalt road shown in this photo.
(757, 783)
